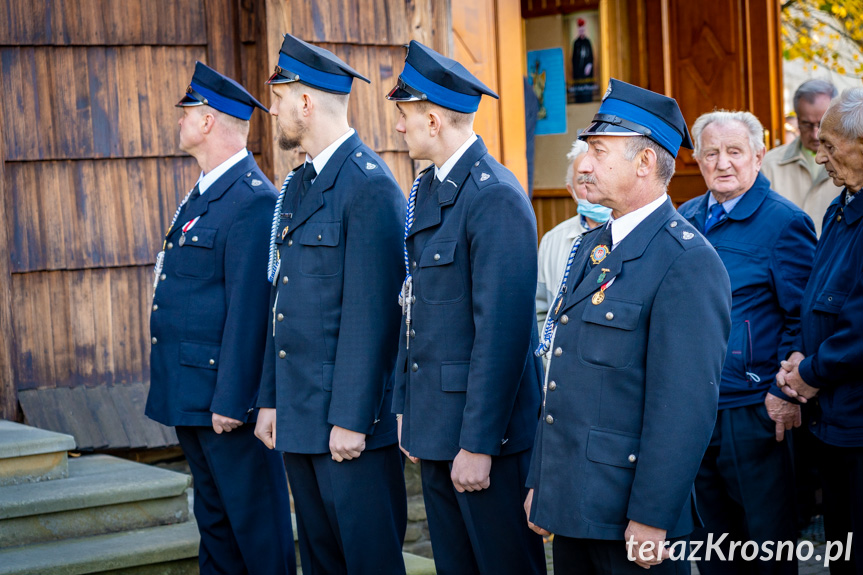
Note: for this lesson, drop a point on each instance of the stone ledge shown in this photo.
(103, 552)
(94, 480)
(18, 440)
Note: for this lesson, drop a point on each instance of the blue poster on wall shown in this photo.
(546, 74)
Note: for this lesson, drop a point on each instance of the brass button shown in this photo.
(212, 362)
(170, 245)
(280, 317)
(284, 280)
(413, 333)
(437, 257)
(839, 218)
(558, 352)
(153, 340)
(155, 307)
(549, 419)
(552, 385)
(163, 277)
(609, 316)
(414, 367)
(632, 458)
(194, 238)
(673, 224)
(414, 265)
(320, 237)
(290, 242)
(282, 354)
(564, 319)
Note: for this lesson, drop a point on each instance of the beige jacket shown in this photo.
(789, 176)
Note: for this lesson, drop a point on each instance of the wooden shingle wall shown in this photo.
(90, 175)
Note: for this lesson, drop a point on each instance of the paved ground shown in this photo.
(811, 567)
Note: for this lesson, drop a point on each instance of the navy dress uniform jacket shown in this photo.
(209, 316)
(335, 305)
(632, 385)
(470, 379)
(766, 244)
(832, 323)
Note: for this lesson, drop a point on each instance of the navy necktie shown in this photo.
(309, 174)
(716, 214)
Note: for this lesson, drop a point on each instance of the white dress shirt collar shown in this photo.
(208, 179)
(621, 226)
(321, 159)
(442, 172)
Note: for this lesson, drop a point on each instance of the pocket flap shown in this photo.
(613, 313)
(830, 301)
(199, 237)
(321, 234)
(438, 254)
(205, 355)
(453, 375)
(611, 447)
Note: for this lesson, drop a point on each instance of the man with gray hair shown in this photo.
(556, 244)
(767, 245)
(827, 362)
(791, 168)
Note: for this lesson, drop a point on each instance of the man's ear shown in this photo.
(208, 121)
(646, 162)
(308, 105)
(434, 121)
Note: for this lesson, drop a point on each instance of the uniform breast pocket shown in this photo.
(440, 279)
(322, 252)
(611, 459)
(830, 301)
(608, 337)
(196, 256)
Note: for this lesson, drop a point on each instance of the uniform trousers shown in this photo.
(599, 557)
(482, 532)
(745, 488)
(351, 516)
(841, 471)
(241, 503)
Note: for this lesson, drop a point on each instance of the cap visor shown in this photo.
(188, 101)
(277, 78)
(606, 129)
(397, 94)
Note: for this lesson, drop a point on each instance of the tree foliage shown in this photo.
(828, 34)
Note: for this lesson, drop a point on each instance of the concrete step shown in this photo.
(29, 454)
(416, 565)
(157, 550)
(102, 494)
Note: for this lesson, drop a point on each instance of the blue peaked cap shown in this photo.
(627, 110)
(210, 88)
(314, 66)
(443, 81)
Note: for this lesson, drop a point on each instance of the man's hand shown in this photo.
(405, 451)
(265, 428)
(783, 413)
(346, 444)
(645, 544)
(528, 501)
(789, 380)
(470, 471)
(223, 423)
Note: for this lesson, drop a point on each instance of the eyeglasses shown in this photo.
(808, 126)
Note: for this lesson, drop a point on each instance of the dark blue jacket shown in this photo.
(470, 379)
(209, 318)
(767, 245)
(335, 311)
(632, 384)
(832, 328)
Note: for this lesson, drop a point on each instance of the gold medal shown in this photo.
(285, 232)
(598, 297)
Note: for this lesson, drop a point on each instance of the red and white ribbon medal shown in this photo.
(186, 228)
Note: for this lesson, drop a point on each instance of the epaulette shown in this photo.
(483, 174)
(367, 164)
(686, 235)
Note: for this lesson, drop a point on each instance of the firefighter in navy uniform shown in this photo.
(207, 326)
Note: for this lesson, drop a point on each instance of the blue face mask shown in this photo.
(594, 212)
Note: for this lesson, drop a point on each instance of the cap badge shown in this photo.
(687, 235)
(484, 177)
(607, 92)
(257, 182)
(370, 166)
